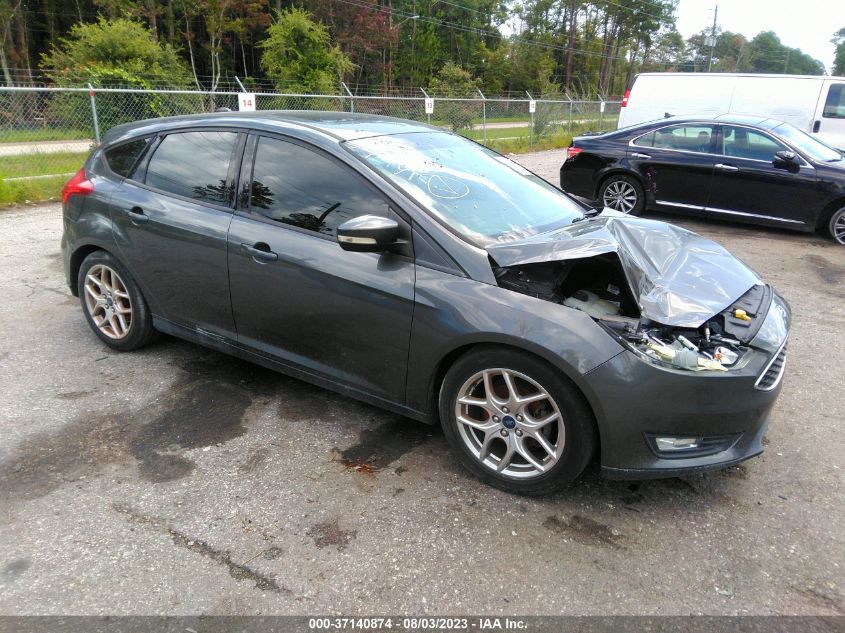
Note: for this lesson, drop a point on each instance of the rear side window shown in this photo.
(834, 105)
(122, 158)
(744, 143)
(194, 165)
(295, 185)
(690, 138)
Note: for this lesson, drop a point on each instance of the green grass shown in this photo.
(20, 168)
(44, 134)
(40, 164)
(497, 133)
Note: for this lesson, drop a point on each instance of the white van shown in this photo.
(815, 104)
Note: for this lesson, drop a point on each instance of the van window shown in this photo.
(744, 143)
(194, 165)
(689, 138)
(834, 105)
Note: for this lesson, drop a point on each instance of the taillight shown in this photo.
(625, 98)
(572, 152)
(78, 185)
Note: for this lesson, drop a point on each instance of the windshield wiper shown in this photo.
(589, 213)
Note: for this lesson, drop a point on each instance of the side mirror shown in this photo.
(368, 234)
(786, 159)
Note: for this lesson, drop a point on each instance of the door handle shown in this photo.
(724, 167)
(260, 252)
(137, 215)
(816, 126)
(638, 155)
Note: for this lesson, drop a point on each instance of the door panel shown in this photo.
(675, 165)
(748, 187)
(296, 294)
(345, 315)
(175, 246)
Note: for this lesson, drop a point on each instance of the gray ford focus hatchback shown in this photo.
(418, 271)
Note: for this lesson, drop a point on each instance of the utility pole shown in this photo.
(713, 37)
(786, 63)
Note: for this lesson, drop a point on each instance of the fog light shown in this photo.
(686, 446)
(676, 443)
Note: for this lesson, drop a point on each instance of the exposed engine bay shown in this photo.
(598, 286)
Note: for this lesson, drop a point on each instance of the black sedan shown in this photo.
(741, 168)
(418, 271)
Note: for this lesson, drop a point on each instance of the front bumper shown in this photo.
(634, 399)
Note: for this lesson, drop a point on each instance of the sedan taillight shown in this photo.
(78, 185)
(572, 152)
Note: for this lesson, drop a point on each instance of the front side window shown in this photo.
(810, 145)
(689, 138)
(741, 142)
(294, 185)
(194, 165)
(834, 105)
(478, 193)
(122, 158)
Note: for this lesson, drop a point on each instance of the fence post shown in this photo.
(351, 97)
(94, 114)
(427, 97)
(483, 114)
(531, 129)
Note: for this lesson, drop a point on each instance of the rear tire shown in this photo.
(532, 435)
(113, 304)
(837, 226)
(622, 193)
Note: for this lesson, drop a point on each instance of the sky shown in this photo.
(808, 24)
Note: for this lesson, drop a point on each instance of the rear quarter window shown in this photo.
(123, 158)
(834, 105)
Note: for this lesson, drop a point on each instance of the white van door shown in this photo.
(829, 123)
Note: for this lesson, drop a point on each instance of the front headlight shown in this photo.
(775, 328)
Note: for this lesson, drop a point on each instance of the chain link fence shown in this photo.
(46, 133)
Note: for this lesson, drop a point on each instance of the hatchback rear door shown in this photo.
(296, 295)
(171, 219)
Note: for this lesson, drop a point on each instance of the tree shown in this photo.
(109, 53)
(454, 81)
(839, 59)
(298, 54)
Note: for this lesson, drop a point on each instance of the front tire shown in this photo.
(113, 304)
(515, 422)
(622, 193)
(837, 226)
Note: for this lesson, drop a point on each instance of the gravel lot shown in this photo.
(175, 480)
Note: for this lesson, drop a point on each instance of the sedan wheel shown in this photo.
(837, 226)
(623, 194)
(510, 423)
(620, 196)
(515, 421)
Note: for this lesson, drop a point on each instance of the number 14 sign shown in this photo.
(246, 101)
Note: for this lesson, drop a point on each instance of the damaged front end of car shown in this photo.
(670, 296)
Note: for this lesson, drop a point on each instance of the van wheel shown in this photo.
(837, 225)
(622, 193)
(113, 304)
(514, 422)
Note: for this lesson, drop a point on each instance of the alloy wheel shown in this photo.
(107, 301)
(837, 227)
(620, 196)
(510, 423)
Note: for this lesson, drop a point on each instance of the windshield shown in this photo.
(480, 194)
(815, 149)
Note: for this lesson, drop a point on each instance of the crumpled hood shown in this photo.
(680, 278)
